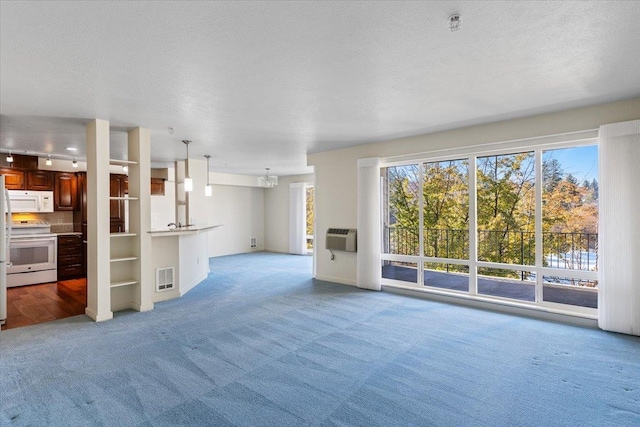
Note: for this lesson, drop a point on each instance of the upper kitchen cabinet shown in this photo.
(157, 187)
(118, 188)
(20, 162)
(40, 180)
(13, 179)
(81, 217)
(66, 191)
(16, 179)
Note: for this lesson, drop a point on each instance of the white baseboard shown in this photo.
(98, 317)
(193, 284)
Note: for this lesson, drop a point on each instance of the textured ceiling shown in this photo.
(261, 84)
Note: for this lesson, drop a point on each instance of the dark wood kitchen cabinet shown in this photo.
(20, 162)
(80, 216)
(118, 187)
(17, 179)
(40, 180)
(66, 191)
(157, 187)
(13, 179)
(71, 262)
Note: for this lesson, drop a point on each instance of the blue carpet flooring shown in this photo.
(259, 343)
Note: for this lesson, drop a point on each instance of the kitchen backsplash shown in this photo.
(55, 218)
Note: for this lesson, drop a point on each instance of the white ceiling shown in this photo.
(261, 84)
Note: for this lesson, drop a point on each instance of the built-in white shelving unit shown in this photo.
(119, 263)
(123, 234)
(128, 250)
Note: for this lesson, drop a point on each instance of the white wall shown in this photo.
(194, 262)
(240, 210)
(336, 171)
(163, 209)
(276, 211)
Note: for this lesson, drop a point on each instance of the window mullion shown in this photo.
(473, 226)
(421, 225)
(538, 225)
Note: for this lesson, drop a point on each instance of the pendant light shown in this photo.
(208, 190)
(48, 161)
(10, 158)
(188, 182)
(74, 163)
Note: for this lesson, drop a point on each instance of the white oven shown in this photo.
(33, 259)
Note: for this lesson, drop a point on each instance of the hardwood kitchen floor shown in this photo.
(29, 305)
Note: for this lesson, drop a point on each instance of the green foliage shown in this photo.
(505, 186)
(310, 215)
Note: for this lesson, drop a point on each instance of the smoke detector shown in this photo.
(454, 22)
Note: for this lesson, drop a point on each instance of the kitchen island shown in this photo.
(180, 259)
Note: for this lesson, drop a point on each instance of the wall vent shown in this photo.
(165, 279)
(254, 242)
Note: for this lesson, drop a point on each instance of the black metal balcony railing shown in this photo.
(576, 251)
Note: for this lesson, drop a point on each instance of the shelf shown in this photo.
(122, 234)
(133, 258)
(118, 162)
(123, 198)
(123, 283)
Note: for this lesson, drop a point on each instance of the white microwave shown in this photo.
(31, 201)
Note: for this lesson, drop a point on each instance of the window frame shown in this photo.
(471, 153)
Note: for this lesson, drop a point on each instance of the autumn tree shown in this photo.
(506, 208)
(310, 215)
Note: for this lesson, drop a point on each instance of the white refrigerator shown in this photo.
(5, 236)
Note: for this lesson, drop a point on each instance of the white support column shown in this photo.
(98, 248)
(619, 228)
(368, 257)
(140, 212)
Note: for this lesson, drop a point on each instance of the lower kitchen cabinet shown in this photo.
(70, 257)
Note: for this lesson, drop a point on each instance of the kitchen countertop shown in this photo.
(190, 229)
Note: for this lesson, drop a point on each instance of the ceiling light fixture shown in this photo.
(268, 181)
(188, 182)
(48, 161)
(208, 190)
(72, 149)
(454, 22)
(9, 158)
(74, 163)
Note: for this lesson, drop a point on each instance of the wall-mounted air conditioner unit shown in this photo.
(341, 239)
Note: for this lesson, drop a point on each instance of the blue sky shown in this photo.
(581, 162)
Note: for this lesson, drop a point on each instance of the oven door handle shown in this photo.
(15, 241)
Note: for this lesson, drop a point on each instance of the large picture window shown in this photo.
(516, 225)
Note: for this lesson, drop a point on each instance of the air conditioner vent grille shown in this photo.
(165, 279)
